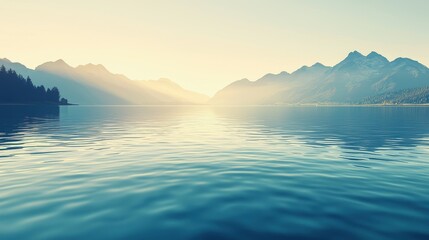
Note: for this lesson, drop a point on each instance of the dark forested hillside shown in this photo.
(408, 96)
(14, 88)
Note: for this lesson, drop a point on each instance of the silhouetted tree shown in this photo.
(14, 88)
(64, 101)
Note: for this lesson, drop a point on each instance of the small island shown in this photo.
(15, 89)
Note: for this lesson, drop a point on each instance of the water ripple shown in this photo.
(214, 173)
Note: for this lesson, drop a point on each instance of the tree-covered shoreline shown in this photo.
(406, 96)
(15, 89)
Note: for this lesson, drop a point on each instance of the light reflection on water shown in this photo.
(214, 172)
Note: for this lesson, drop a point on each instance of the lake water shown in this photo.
(179, 172)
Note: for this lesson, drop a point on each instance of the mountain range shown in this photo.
(94, 84)
(355, 78)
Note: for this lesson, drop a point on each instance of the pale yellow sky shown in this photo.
(205, 45)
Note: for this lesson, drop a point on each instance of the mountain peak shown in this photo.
(313, 68)
(353, 58)
(92, 65)
(408, 61)
(93, 68)
(317, 65)
(281, 74)
(60, 61)
(401, 60)
(10, 64)
(355, 54)
(274, 77)
(374, 54)
(58, 64)
(376, 60)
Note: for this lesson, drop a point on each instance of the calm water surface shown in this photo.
(214, 172)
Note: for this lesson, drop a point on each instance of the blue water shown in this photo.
(203, 172)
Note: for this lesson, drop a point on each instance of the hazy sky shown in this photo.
(204, 45)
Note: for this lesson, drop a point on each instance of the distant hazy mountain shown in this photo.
(351, 80)
(94, 84)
